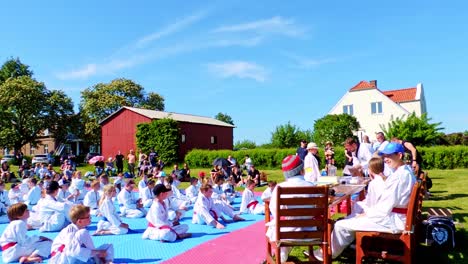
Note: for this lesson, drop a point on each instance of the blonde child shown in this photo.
(268, 191)
(92, 198)
(229, 189)
(375, 188)
(111, 223)
(249, 203)
(74, 244)
(159, 225)
(206, 211)
(16, 244)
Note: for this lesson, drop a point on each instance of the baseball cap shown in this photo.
(392, 147)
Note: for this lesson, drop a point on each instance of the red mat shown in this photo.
(246, 245)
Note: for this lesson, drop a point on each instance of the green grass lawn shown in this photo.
(450, 190)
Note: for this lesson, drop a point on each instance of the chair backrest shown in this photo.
(302, 213)
(413, 205)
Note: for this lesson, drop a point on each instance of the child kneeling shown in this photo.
(159, 226)
(74, 244)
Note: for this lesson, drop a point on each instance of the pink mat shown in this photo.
(246, 245)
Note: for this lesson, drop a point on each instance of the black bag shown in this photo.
(440, 232)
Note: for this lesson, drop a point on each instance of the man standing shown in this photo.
(302, 151)
(119, 161)
(131, 158)
(311, 166)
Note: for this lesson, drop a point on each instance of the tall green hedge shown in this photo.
(440, 157)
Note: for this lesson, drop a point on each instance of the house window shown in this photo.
(214, 139)
(183, 138)
(46, 148)
(32, 150)
(376, 107)
(348, 109)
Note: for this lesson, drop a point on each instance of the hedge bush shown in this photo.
(439, 157)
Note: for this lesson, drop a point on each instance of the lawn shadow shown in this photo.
(128, 260)
(448, 197)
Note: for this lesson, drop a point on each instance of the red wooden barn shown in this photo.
(118, 131)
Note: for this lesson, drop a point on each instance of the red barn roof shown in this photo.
(401, 95)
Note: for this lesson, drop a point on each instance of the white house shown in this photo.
(373, 107)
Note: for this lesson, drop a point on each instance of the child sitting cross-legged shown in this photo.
(207, 210)
(16, 244)
(110, 224)
(249, 203)
(74, 244)
(159, 226)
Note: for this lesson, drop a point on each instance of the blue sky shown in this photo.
(264, 63)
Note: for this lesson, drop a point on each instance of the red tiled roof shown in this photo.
(362, 85)
(401, 95)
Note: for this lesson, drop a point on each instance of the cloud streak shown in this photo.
(239, 69)
(274, 25)
(170, 29)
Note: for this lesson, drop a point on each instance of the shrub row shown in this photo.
(440, 157)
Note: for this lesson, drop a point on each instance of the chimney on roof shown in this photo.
(373, 83)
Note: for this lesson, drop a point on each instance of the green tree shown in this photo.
(288, 136)
(225, 118)
(334, 128)
(102, 99)
(416, 130)
(245, 144)
(14, 68)
(160, 135)
(28, 109)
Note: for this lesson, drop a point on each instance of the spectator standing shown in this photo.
(131, 162)
(119, 161)
(302, 150)
(311, 165)
(248, 162)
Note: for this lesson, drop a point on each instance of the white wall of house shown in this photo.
(361, 101)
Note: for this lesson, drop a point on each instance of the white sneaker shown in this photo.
(318, 254)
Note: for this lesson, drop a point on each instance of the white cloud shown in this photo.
(248, 42)
(308, 63)
(239, 69)
(170, 29)
(83, 73)
(276, 25)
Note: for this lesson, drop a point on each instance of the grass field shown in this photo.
(450, 190)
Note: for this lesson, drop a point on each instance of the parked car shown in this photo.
(10, 158)
(42, 158)
(91, 155)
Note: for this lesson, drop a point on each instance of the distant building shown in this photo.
(373, 107)
(118, 131)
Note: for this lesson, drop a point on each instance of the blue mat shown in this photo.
(131, 248)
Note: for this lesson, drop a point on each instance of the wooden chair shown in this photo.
(395, 247)
(301, 220)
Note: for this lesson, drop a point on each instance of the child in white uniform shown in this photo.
(111, 223)
(33, 195)
(207, 211)
(268, 191)
(146, 194)
(52, 215)
(159, 226)
(192, 191)
(129, 206)
(4, 204)
(16, 244)
(74, 244)
(249, 203)
(15, 195)
(92, 197)
(375, 188)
